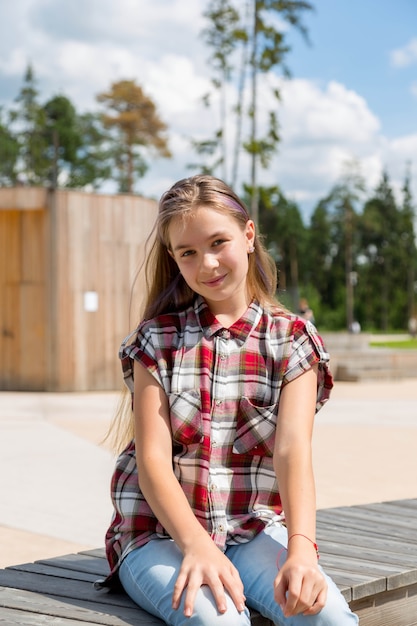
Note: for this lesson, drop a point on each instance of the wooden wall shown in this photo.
(22, 289)
(50, 257)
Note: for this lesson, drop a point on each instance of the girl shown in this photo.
(225, 385)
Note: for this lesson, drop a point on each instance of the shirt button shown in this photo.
(219, 402)
(223, 357)
(220, 528)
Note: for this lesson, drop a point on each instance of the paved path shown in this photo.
(54, 474)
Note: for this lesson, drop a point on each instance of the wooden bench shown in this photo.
(369, 550)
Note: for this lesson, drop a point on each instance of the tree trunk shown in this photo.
(254, 164)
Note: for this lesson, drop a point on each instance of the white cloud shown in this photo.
(407, 55)
(323, 127)
(328, 115)
(158, 44)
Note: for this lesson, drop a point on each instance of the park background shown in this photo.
(336, 202)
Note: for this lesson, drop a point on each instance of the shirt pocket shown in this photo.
(255, 429)
(185, 416)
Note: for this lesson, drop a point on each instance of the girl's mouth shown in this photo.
(214, 282)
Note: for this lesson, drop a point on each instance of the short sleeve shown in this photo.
(307, 349)
(138, 346)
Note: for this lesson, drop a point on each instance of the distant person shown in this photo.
(225, 386)
(412, 326)
(355, 327)
(305, 311)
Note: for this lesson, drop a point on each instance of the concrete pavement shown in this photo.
(55, 475)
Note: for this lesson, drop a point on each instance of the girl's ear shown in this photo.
(250, 233)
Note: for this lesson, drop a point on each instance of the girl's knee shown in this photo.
(206, 613)
(336, 612)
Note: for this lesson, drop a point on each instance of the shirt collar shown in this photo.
(240, 330)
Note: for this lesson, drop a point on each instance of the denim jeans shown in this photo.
(148, 575)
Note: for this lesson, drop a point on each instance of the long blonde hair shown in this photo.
(166, 290)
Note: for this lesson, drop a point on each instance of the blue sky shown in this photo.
(353, 93)
(353, 41)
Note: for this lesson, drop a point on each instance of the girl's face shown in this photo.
(211, 251)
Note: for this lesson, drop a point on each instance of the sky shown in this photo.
(352, 95)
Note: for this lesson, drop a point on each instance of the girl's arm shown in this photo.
(203, 562)
(299, 586)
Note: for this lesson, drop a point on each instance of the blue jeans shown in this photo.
(148, 575)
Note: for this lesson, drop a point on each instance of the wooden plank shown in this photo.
(32, 356)
(366, 554)
(396, 576)
(353, 540)
(367, 565)
(74, 591)
(51, 570)
(393, 608)
(11, 617)
(80, 563)
(95, 552)
(22, 198)
(81, 610)
(367, 518)
(392, 509)
(366, 525)
(50, 585)
(33, 239)
(359, 585)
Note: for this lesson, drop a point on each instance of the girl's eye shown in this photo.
(218, 242)
(187, 253)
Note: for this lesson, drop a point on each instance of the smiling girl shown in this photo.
(214, 498)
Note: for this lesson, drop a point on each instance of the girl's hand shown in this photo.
(205, 564)
(300, 587)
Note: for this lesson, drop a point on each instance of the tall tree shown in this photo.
(9, 151)
(341, 206)
(267, 48)
(222, 35)
(137, 130)
(285, 235)
(92, 164)
(29, 121)
(74, 146)
(320, 252)
(61, 134)
(384, 259)
(409, 239)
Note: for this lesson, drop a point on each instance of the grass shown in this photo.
(401, 344)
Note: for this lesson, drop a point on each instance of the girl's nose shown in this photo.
(210, 261)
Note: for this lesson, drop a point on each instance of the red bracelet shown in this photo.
(308, 539)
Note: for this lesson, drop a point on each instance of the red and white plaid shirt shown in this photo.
(223, 387)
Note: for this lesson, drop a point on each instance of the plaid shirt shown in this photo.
(223, 387)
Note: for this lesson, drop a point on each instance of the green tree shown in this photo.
(28, 119)
(222, 35)
(332, 250)
(61, 135)
(92, 164)
(409, 239)
(285, 237)
(75, 146)
(319, 255)
(137, 130)
(385, 229)
(264, 50)
(9, 151)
